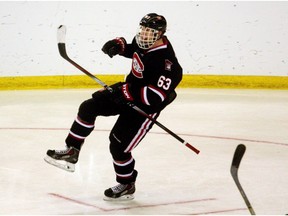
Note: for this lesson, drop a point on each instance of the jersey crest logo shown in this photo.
(137, 66)
(168, 65)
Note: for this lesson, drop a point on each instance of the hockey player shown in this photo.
(150, 85)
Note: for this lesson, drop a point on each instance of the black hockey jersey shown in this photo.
(154, 75)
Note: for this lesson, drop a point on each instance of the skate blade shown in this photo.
(65, 165)
(122, 198)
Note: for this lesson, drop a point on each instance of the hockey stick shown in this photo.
(61, 35)
(239, 152)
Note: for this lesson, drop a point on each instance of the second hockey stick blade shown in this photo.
(239, 152)
(238, 155)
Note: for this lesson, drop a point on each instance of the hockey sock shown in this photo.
(78, 132)
(124, 170)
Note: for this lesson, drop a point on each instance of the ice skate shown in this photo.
(120, 192)
(63, 159)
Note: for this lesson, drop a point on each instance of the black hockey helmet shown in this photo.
(151, 27)
(154, 21)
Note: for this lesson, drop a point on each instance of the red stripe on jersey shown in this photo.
(144, 98)
(144, 95)
(161, 94)
(161, 46)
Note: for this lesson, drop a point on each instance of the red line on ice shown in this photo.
(180, 134)
(127, 208)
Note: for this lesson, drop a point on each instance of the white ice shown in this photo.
(172, 178)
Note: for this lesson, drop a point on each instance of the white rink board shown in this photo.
(222, 38)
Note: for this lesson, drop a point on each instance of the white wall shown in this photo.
(235, 38)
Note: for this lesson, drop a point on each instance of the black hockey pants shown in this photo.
(129, 129)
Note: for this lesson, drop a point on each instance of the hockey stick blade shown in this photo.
(238, 155)
(61, 35)
(239, 152)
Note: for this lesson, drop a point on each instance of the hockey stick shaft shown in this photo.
(63, 53)
(166, 129)
(239, 152)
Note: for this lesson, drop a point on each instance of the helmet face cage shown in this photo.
(146, 37)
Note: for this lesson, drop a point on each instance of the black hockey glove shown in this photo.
(114, 47)
(121, 94)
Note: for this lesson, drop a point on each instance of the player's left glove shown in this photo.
(114, 47)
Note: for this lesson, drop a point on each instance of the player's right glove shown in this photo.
(114, 47)
(121, 94)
